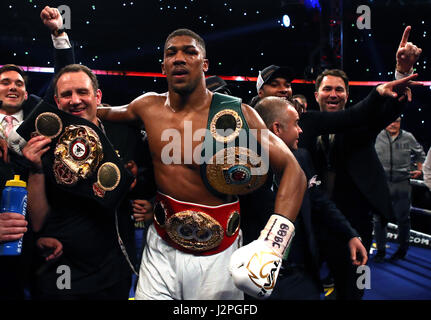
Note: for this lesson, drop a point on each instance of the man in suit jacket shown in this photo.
(351, 172)
(18, 103)
(300, 274)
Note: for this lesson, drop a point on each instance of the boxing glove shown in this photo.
(255, 267)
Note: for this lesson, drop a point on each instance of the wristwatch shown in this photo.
(57, 32)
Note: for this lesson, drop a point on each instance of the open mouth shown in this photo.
(12, 96)
(333, 104)
(77, 111)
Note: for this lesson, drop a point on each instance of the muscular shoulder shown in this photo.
(147, 100)
(253, 119)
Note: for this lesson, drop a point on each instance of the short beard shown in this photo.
(186, 89)
(11, 109)
(183, 90)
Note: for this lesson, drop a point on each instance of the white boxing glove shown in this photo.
(255, 267)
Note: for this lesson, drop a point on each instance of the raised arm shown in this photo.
(63, 53)
(399, 89)
(373, 106)
(407, 54)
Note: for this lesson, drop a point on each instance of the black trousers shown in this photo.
(16, 271)
(296, 283)
(335, 251)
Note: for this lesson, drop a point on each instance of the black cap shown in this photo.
(217, 84)
(272, 72)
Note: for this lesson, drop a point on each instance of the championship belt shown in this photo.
(194, 228)
(81, 159)
(231, 154)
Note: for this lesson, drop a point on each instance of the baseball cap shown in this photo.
(272, 72)
(217, 84)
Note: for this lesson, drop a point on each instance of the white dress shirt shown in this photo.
(14, 140)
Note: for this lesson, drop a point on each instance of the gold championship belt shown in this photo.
(48, 124)
(232, 164)
(77, 154)
(230, 171)
(81, 159)
(194, 228)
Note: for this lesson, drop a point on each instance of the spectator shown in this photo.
(301, 99)
(273, 81)
(395, 148)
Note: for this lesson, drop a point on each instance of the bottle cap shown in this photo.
(16, 182)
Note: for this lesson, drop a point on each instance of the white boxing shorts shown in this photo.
(167, 273)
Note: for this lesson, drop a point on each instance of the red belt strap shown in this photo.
(194, 228)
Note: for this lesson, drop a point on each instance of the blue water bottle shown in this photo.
(14, 199)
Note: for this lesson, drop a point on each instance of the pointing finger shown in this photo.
(405, 37)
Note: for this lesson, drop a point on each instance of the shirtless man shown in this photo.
(170, 269)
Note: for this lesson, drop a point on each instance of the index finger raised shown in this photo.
(405, 37)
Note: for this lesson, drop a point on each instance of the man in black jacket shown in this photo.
(300, 274)
(362, 123)
(75, 216)
(351, 173)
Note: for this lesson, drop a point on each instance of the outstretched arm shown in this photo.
(119, 114)
(397, 93)
(134, 111)
(379, 104)
(399, 88)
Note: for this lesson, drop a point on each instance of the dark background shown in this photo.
(242, 38)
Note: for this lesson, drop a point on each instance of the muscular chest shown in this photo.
(176, 138)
